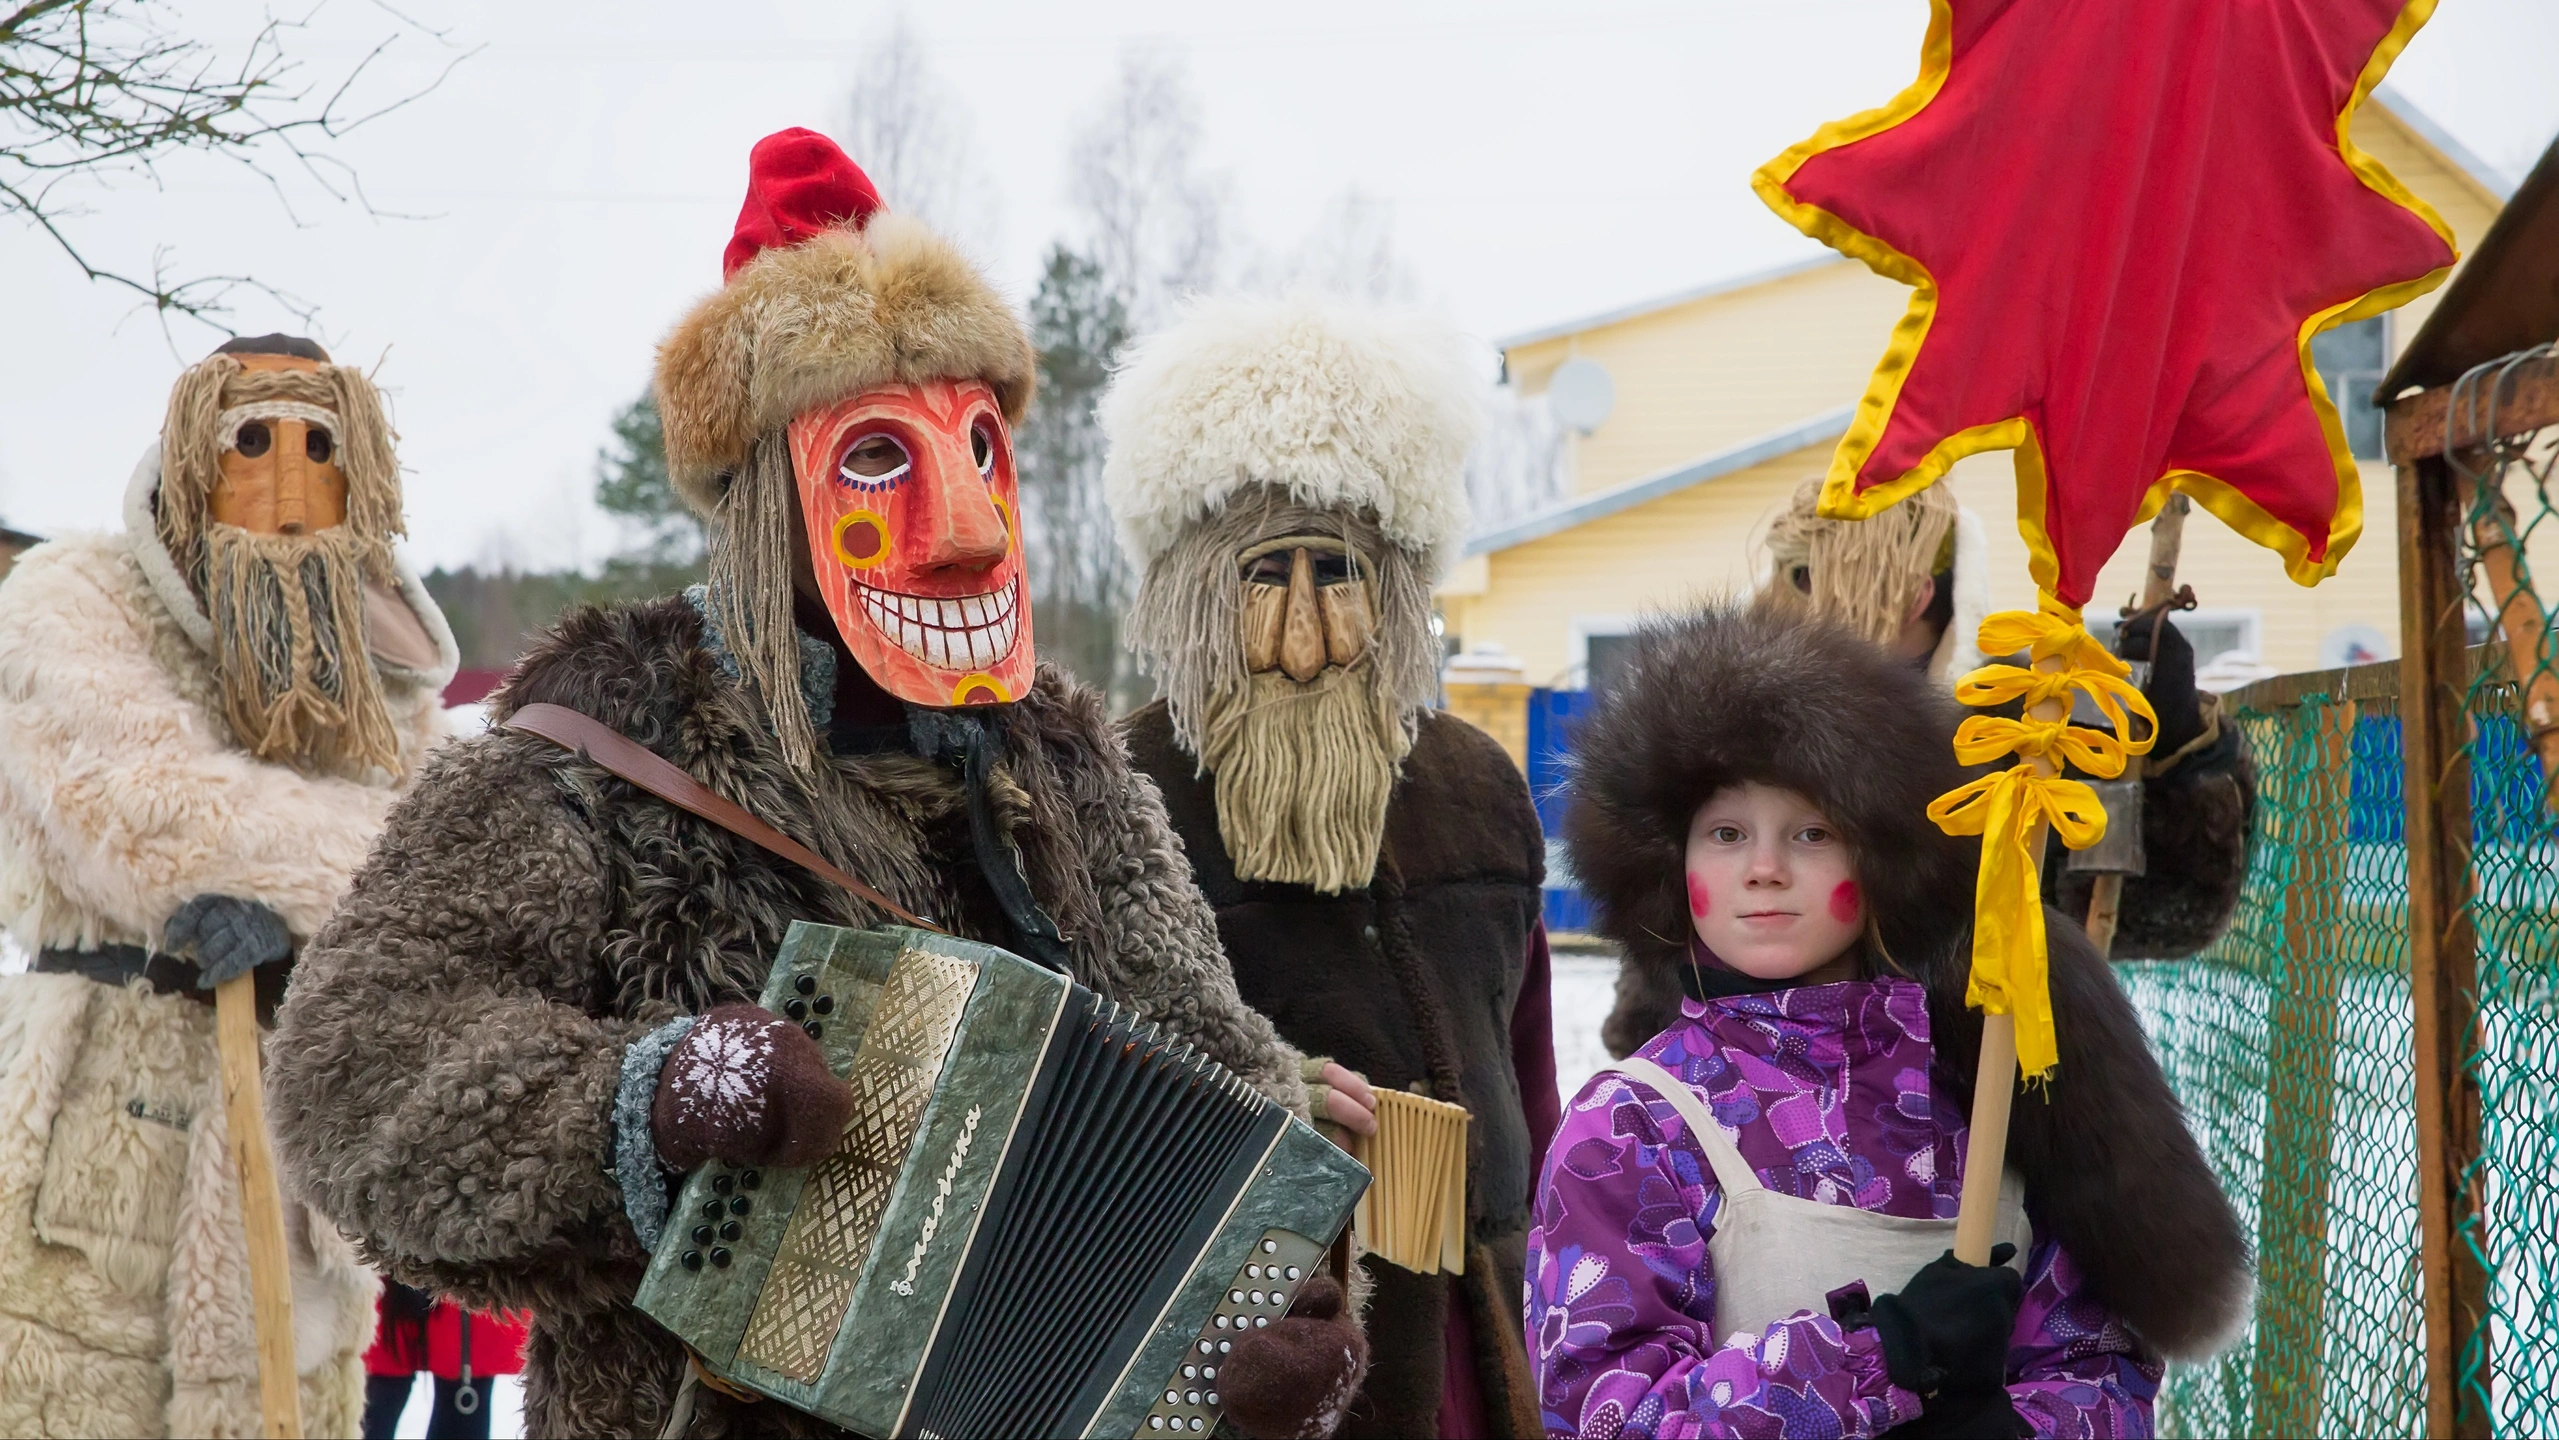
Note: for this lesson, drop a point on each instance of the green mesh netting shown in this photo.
(2515, 873)
(2290, 1044)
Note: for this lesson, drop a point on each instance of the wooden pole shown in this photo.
(2313, 807)
(235, 1027)
(1995, 1078)
(2443, 966)
(2159, 582)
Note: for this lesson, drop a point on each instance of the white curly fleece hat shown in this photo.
(1336, 403)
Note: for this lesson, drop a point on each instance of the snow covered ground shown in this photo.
(1585, 986)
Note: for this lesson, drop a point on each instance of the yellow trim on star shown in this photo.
(1841, 500)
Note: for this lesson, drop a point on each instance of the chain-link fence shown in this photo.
(2509, 517)
(2292, 1042)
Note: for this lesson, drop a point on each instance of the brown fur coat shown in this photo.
(447, 1059)
(1720, 697)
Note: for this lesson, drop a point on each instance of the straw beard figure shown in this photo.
(203, 722)
(1288, 478)
(858, 673)
(278, 500)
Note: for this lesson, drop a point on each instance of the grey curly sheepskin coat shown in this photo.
(448, 1057)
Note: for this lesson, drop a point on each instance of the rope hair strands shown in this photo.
(751, 585)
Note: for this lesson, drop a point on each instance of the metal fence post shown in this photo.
(2442, 949)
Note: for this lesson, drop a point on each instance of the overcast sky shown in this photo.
(551, 209)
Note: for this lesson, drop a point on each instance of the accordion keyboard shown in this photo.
(1260, 1293)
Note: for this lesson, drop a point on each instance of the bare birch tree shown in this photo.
(1153, 224)
(913, 139)
(1155, 220)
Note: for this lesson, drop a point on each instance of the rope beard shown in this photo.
(1187, 622)
(1303, 775)
(298, 685)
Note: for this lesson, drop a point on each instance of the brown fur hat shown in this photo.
(1726, 695)
(834, 315)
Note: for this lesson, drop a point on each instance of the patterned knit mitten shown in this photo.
(748, 1087)
(1296, 1379)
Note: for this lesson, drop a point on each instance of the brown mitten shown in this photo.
(748, 1087)
(1294, 1380)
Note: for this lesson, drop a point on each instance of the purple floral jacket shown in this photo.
(1826, 1090)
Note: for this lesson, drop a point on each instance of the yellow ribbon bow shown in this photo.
(2010, 965)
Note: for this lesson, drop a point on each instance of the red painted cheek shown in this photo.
(1843, 902)
(1697, 905)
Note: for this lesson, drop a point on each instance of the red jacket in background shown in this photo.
(404, 1347)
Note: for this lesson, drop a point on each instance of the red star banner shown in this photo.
(2125, 220)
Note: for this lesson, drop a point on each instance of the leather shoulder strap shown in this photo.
(575, 730)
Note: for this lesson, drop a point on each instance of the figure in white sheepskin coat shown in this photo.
(203, 720)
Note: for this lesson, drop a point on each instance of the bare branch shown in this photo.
(99, 89)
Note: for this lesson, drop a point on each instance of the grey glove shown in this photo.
(226, 937)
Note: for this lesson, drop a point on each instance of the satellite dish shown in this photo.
(1581, 394)
(2352, 645)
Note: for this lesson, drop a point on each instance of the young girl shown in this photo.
(1745, 1227)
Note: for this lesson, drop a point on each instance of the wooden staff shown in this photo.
(235, 1029)
(2167, 537)
(1995, 1079)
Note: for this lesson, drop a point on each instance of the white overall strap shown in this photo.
(1732, 1172)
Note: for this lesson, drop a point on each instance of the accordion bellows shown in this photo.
(1046, 1217)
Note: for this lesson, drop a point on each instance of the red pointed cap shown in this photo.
(798, 183)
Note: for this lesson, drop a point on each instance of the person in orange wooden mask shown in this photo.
(908, 498)
(857, 671)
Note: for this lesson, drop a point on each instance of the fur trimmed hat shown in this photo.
(826, 296)
(1337, 405)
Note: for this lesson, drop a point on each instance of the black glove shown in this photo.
(1965, 1417)
(1947, 1331)
(2171, 690)
(226, 937)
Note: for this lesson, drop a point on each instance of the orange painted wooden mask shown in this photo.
(912, 508)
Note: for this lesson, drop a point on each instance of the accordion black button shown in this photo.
(1368, 932)
(806, 984)
(730, 1230)
(722, 1184)
(816, 1031)
(750, 1180)
(740, 1205)
(824, 1004)
(701, 1234)
(796, 1009)
(711, 1208)
(692, 1259)
(720, 1258)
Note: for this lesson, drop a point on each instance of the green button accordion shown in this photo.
(1047, 1217)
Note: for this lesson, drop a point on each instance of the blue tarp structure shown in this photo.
(1551, 715)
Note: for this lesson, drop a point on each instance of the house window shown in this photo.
(1597, 652)
(1608, 658)
(2351, 359)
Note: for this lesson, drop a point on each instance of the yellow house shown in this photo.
(1725, 397)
